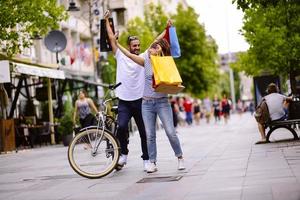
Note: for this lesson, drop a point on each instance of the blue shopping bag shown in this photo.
(174, 44)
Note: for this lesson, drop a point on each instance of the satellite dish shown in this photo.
(56, 41)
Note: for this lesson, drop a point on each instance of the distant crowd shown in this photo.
(188, 111)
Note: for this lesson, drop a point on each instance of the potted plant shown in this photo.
(66, 122)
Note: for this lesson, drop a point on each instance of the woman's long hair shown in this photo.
(165, 46)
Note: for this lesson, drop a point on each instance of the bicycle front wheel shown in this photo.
(92, 158)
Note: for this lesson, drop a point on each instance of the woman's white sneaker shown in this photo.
(151, 168)
(181, 164)
(146, 164)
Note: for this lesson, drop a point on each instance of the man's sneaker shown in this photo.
(146, 164)
(151, 168)
(181, 164)
(122, 160)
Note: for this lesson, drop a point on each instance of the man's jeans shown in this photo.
(161, 107)
(126, 110)
(189, 118)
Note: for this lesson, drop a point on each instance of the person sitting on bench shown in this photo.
(277, 106)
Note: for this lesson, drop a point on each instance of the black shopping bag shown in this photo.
(104, 41)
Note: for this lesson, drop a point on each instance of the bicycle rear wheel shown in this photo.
(92, 158)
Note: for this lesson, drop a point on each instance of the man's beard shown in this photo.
(135, 52)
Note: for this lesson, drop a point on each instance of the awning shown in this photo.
(39, 71)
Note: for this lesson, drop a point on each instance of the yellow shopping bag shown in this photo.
(166, 76)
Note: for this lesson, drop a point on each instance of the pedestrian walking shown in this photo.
(225, 105)
(239, 107)
(207, 108)
(188, 108)
(156, 104)
(83, 108)
(217, 108)
(251, 107)
(196, 111)
(181, 114)
(130, 94)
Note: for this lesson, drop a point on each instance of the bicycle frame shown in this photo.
(102, 119)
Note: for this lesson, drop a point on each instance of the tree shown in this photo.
(197, 65)
(22, 20)
(139, 28)
(155, 18)
(272, 28)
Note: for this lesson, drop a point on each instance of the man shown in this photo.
(276, 106)
(130, 94)
(188, 107)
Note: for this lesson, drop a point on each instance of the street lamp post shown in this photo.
(91, 19)
(231, 76)
(232, 89)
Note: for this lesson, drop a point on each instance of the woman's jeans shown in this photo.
(161, 107)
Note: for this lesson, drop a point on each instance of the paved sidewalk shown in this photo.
(222, 164)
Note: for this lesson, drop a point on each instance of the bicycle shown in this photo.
(94, 152)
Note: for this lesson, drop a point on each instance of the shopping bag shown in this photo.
(169, 89)
(165, 70)
(167, 35)
(166, 77)
(174, 44)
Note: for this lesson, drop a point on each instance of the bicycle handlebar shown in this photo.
(112, 87)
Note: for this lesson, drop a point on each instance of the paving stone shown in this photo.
(221, 160)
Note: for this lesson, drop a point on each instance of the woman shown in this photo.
(225, 108)
(83, 106)
(156, 103)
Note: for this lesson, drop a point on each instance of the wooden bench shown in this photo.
(287, 124)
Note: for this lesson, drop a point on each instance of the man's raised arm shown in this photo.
(111, 36)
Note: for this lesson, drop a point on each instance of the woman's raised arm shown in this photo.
(137, 59)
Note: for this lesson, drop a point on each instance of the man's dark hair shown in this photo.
(131, 38)
(272, 88)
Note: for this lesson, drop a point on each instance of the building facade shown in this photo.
(246, 81)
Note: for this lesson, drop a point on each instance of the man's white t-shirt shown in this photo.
(275, 105)
(132, 77)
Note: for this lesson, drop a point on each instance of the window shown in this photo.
(120, 17)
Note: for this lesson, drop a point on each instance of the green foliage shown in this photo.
(66, 122)
(45, 111)
(237, 84)
(197, 64)
(155, 18)
(272, 28)
(108, 71)
(250, 4)
(221, 86)
(22, 20)
(138, 28)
